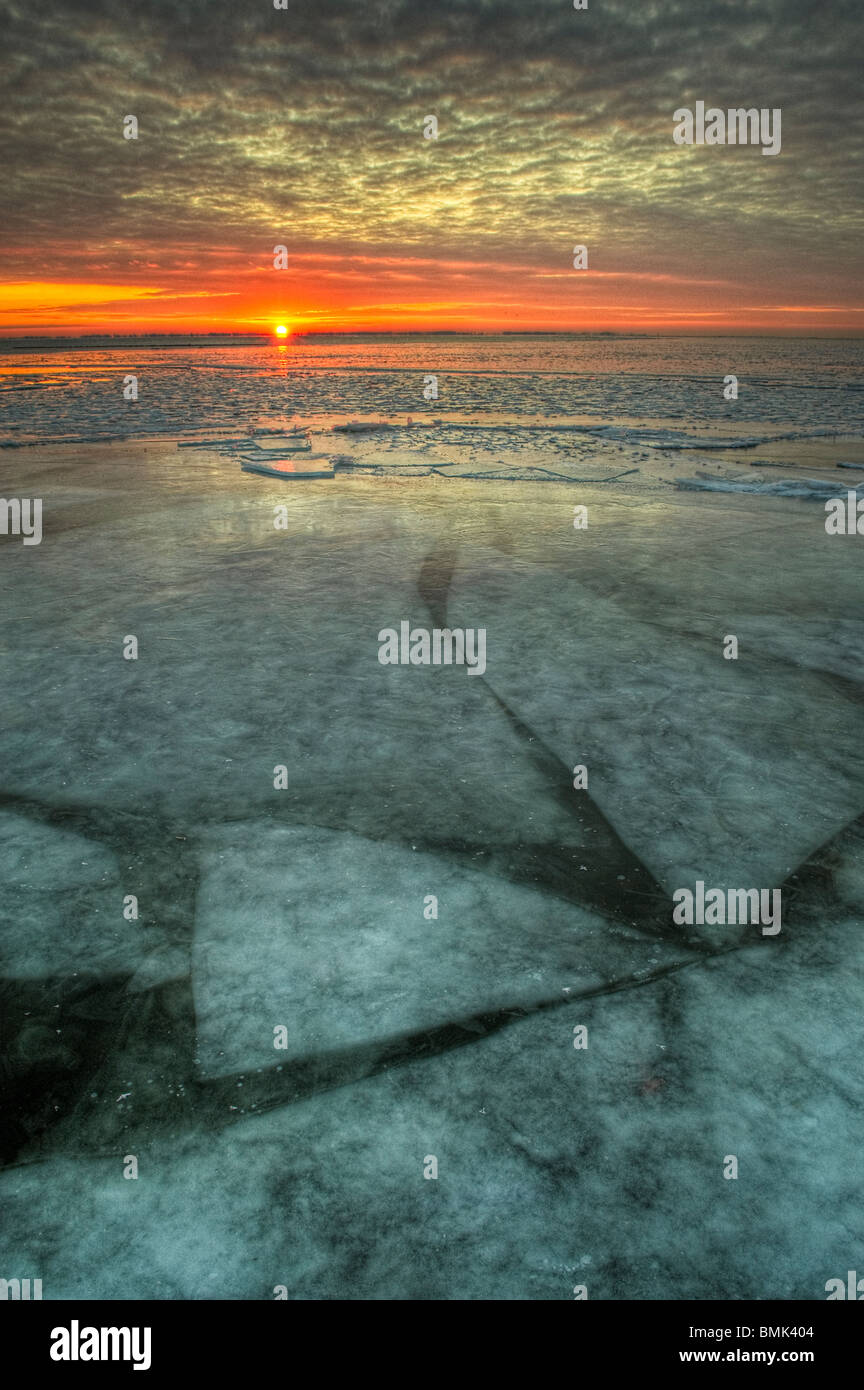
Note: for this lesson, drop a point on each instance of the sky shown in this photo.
(304, 128)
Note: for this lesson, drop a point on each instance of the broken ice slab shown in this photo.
(706, 767)
(808, 488)
(278, 429)
(281, 443)
(309, 939)
(307, 467)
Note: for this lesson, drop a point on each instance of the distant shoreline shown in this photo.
(187, 340)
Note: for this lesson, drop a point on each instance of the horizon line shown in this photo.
(265, 336)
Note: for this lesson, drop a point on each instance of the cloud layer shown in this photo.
(304, 127)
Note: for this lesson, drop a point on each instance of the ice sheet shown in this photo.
(410, 1036)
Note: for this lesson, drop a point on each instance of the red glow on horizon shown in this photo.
(370, 296)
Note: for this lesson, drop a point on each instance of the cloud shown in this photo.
(304, 127)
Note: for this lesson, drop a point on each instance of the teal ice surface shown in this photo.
(409, 1036)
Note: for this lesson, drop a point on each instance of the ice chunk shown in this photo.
(713, 769)
(331, 937)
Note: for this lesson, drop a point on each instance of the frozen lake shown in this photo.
(373, 908)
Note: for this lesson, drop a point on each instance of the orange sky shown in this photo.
(395, 294)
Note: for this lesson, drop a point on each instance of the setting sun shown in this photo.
(281, 331)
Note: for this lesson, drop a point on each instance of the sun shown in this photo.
(281, 331)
